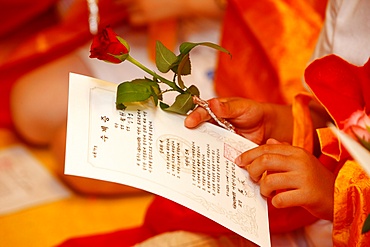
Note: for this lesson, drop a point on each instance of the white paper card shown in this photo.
(357, 151)
(150, 149)
(24, 182)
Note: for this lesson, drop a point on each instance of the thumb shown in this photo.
(223, 107)
(217, 105)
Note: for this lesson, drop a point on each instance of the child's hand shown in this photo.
(294, 177)
(246, 116)
(255, 121)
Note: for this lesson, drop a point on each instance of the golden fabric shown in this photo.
(351, 206)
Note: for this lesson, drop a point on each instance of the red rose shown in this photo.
(108, 46)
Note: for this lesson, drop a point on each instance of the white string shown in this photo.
(222, 122)
(93, 16)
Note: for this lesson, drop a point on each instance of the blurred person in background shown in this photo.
(47, 40)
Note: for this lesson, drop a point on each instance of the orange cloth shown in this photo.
(271, 43)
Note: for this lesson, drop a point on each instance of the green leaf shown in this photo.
(163, 105)
(157, 92)
(136, 91)
(182, 105)
(186, 67)
(164, 58)
(186, 47)
(183, 60)
(193, 90)
(183, 69)
(366, 226)
(122, 57)
(120, 106)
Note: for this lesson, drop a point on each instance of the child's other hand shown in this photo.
(254, 121)
(293, 177)
(246, 116)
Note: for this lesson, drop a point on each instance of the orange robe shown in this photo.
(271, 43)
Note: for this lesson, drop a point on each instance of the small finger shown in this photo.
(266, 153)
(196, 117)
(273, 182)
(270, 162)
(289, 198)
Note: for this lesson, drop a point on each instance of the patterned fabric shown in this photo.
(351, 206)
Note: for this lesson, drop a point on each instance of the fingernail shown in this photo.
(238, 161)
